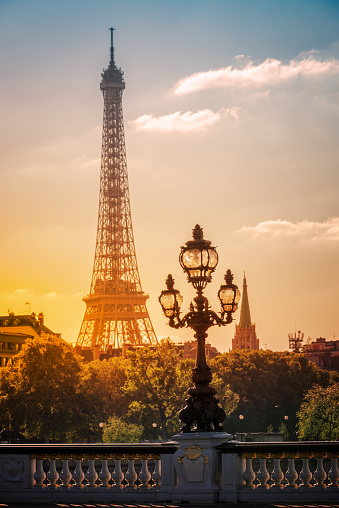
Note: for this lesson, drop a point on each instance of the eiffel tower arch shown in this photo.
(116, 313)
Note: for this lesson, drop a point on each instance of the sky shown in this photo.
(231, 114)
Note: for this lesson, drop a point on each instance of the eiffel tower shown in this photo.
(116, 313)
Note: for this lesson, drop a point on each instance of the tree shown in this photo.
(157, 381)
(270, 385)
(39, 392)
(319, 414)
(100, 395)
(228, 400)
(116, 430)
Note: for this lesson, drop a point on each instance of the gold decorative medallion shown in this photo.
(193, 453)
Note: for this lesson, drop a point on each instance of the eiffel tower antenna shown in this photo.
(112, 63)
(116, 312)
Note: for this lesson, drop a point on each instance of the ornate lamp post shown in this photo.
(101, 425)
(241, 417)
(199, 260)
(154, 426)
(286, 419)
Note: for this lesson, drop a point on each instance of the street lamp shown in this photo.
(241, 417)
(154, 425)
(199, 259)
(285, 418)
(101, 425)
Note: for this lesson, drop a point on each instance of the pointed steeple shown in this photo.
(245, 315)
(245, 336)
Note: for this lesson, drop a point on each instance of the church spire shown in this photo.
(245, 336)
(245, 315)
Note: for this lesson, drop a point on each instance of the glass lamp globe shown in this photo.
(170, 299)
(198, 259)
(229, 294)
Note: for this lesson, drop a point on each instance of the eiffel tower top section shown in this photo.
(112, 76)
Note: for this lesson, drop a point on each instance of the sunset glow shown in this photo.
(231, 121)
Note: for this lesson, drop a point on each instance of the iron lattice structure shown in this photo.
(116, 312)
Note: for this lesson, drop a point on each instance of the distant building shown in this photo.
(16, 329)
(90, 354)
(245, 336)
(11, 344)
(189, 350)
(324, 353)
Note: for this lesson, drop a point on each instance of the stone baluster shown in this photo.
(305, 474)
(320, 475)
(91, 475)
(39, 475)
(52, 475)
(131, 475)
(144, 475)
(333, 475)
(156, 475)
(78, 475)
(277, 475)
(32, 466)
(104, 475)
(117, 475)
(65, 475)
(249, 474)
(263, 475)
(291, 474)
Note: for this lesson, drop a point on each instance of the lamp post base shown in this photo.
(202, 412)
(198, 466)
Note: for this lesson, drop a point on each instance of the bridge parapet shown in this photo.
(132, 473)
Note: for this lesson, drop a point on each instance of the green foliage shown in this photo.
(270, 385)
(228, 400)
(319, 414)
(48, 394)
(39, 393)
(157, 381)
(100, 396)
(116, 430)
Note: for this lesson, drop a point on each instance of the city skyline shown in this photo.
(231, 121)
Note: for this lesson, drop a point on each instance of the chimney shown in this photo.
(41, 318)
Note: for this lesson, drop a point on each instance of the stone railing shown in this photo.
(284, 472)
(86, 472)
(195, 467)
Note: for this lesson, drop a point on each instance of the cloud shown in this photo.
(287, 169)
(184, 122)
(305, 230)
(268, 73)
(92, 162)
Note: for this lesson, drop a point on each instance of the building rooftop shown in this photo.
(19, 323)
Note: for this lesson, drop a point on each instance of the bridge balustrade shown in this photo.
(286, 472)
(132, 473)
